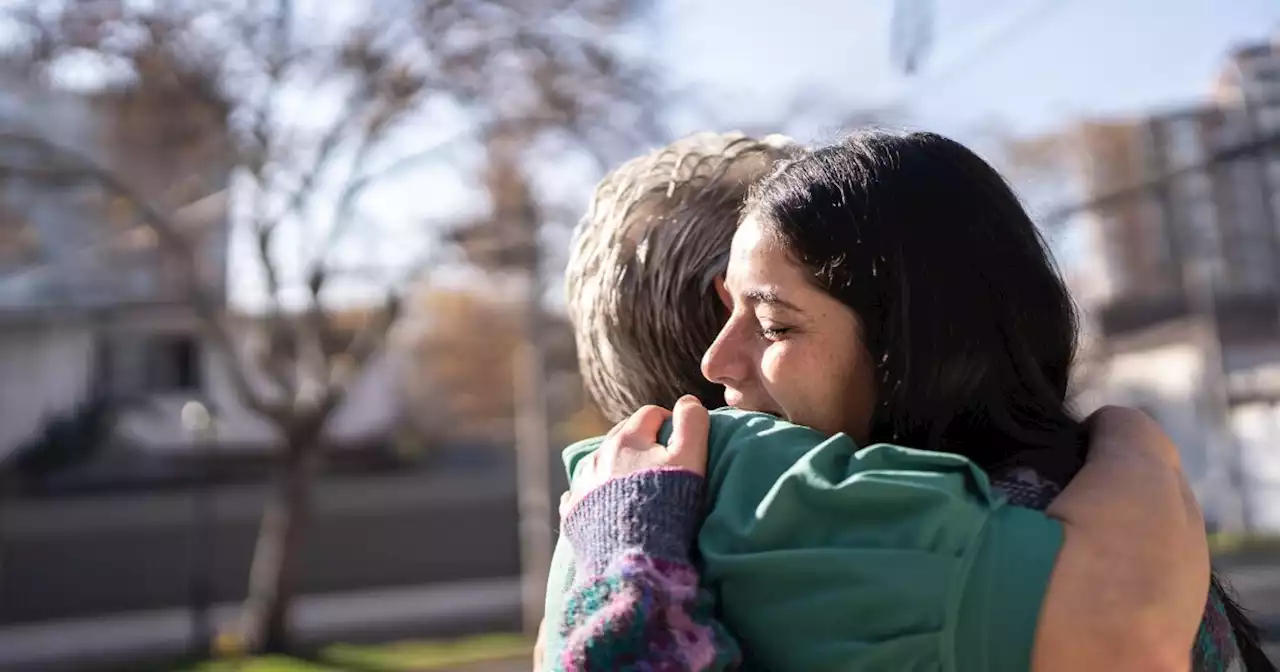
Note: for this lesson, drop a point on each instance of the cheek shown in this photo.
(792, 378)
(858, 394)
(822, 385)
(797, 363)
(775, 364)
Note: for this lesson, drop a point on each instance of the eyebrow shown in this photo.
(769, 298)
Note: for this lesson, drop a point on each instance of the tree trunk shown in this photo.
(533, 452)
(265, 623)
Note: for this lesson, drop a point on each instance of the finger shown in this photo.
(616, 428)
(609, 446)
(586, 469)
(643, 426)
(564, 503)
(690, 426)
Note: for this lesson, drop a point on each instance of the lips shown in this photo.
(736, 399)
(739, 401)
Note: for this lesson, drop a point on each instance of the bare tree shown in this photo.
(507, 239)
(470, 350)
(310, 109)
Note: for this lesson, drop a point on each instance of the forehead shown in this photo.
(758, 258)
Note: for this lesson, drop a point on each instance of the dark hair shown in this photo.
(969, 323)
(640, 281)
(961, 308)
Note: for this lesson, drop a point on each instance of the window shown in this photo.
(173, 364)
(1268, 118)
(129, 364)
(1184, 146)
(1267, 72)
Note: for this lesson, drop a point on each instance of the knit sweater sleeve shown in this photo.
(635, 603)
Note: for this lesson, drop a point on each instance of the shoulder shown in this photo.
(770, 447)
(777, 489)
(918, 537)
(732, 430)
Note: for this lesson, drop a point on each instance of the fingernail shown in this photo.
(688, 399)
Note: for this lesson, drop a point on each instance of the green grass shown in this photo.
(1228, 543)
(412, 656)
(428, 655)
(264, 664)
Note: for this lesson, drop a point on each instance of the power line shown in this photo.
(1232, 153)
(1011, 30)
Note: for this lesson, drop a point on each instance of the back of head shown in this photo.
(961, 308)
(640, 281)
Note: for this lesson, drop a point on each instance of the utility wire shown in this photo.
(1232, 153)
(1007, 33)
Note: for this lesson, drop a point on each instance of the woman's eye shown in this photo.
(772, 333)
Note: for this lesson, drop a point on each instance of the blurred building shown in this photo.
(1184, 305)
(92, 304)
(1196, 210)
(1251, 82)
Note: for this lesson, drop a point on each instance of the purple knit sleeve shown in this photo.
(635, 602)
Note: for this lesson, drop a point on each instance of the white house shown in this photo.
(89, 302)
(50, 362)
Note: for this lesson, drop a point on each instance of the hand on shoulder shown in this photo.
(632, 447)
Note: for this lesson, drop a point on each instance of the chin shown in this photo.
(759, 409)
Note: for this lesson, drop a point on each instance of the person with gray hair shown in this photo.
(642, 270)
(644, 302)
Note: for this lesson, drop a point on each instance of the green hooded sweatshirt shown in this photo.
(822, 556)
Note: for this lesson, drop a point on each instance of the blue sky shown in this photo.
(998, 68)
(1027, 65)
(1020, 67)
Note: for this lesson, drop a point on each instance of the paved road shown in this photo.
(78, 557)
(374, 614)
(1258, 588)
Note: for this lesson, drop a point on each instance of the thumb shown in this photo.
(690, 426)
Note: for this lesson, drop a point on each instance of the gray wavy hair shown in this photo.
(641, 276)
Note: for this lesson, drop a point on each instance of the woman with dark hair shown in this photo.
(887, 291)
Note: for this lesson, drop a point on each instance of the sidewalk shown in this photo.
(124, 638)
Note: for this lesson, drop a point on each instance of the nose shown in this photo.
(722, 363)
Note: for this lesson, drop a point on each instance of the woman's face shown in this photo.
(789, 348)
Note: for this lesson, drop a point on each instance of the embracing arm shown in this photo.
(1133, 572)
(636, 603)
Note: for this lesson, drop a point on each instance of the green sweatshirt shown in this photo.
(822, 556)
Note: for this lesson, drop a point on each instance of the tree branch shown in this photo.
(208, 309)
